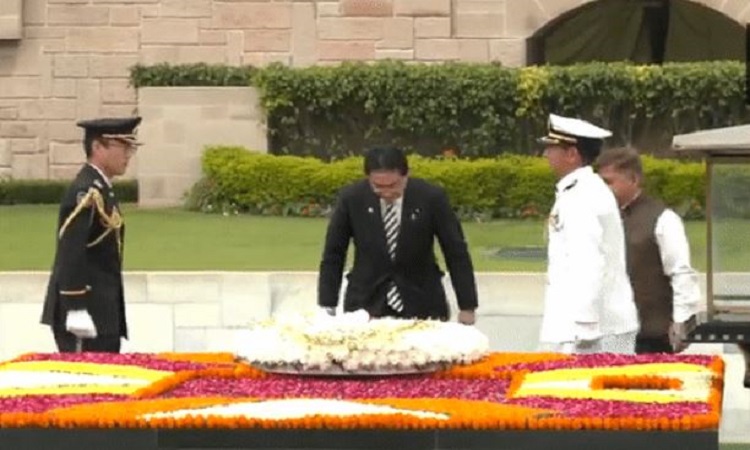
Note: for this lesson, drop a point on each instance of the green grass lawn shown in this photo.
(173, 239)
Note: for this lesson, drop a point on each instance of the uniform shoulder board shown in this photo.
(87, 194)
(80, 196)
(571, 185)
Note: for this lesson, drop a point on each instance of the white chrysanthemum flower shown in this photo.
(352, 342)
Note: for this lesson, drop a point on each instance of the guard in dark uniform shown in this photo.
(85, 305)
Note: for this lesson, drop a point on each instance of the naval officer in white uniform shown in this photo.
(588, 304)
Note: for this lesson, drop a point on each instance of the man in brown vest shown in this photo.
(658, 256)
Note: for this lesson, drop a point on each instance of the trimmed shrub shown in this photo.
(511, 186)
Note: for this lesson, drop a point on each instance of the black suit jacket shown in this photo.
(87, 271)
(426, 214)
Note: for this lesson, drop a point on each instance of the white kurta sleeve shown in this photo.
(675, 257)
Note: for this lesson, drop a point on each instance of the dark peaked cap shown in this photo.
(122, 128)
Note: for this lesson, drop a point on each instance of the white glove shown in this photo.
(79, 322)
(358, 316)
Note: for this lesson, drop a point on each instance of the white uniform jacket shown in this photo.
(588, 293)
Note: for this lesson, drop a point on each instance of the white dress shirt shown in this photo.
(106, 179)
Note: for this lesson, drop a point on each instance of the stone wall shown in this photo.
(178, 122)
(68, 59)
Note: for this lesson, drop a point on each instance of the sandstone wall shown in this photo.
(63, 60)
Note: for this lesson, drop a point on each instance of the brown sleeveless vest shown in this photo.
(651, 288)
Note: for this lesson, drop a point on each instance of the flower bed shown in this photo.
(502, 391)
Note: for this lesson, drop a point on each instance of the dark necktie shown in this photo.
(391, 225)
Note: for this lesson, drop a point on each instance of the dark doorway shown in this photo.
(640, 31)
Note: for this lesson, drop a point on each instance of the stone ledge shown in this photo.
(500, 293)
(195, 310)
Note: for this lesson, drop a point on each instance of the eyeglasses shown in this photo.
(130, 148)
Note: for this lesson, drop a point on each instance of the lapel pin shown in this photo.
(370, 210)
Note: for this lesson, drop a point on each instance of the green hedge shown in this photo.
(480, 110)
(19, 192)
(198, 74)
(509, 186)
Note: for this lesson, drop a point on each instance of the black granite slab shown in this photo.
(204, 439)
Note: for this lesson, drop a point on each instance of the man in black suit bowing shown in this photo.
(393, 220)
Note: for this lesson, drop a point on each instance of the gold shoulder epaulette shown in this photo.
(110, 222)
(92, 197)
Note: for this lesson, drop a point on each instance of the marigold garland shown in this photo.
(512, 369)
(168, 383)
(493, 365)
(210, 358)
(642, 382)
(516, 380)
